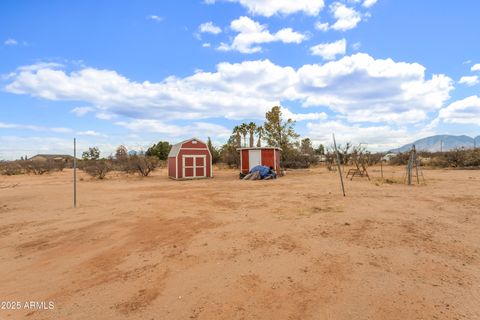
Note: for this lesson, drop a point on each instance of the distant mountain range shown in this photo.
(441, 142)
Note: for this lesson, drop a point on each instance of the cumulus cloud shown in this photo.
(303, 116)
(17, 126)
(269, 8)
(376, 137)
(347, 18)
(358, 87)
(251, 34)
(91, 133)
(209, 27)
(10, 42)
(476, 67)
(466, 111)
(469, 80)
(368, 90)
(330, 51)
(81, 111)
(322, 26)
(14, 147)
(158, 126)
(369, 3)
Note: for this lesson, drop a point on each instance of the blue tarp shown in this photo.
(264, 171)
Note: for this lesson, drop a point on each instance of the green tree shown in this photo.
(243, 129)
(279, 132)
(252, 127)
(320, 150)
(260, 132)
(214, 151)
(91, 154)
(159, 150)
(306, 147)
(237, 139)
(121, 153)
(229, 154)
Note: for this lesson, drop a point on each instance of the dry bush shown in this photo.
(400, 159)
(293, 159)
(458, 158)
(141, 164)
(10, 168)
(96, 168)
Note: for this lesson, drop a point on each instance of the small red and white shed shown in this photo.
(190, 159)
(265, 156)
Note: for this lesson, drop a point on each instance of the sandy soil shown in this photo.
(294, 248)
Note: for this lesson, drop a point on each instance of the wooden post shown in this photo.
(338, 164)
(74, 172)
(381, 169)
(416, 164)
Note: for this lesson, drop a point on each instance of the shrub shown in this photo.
(142, 164)
(293, 159)
(10, 168)
(96, 168)
(400, 159)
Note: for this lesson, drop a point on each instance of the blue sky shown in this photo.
(134, 72)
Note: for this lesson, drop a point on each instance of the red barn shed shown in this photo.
(190, 159)
(265, 156)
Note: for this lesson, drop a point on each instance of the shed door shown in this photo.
(194, 166)
(254, 158)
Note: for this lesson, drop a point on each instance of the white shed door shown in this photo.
(254, 158)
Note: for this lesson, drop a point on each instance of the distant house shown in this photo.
(52, 157)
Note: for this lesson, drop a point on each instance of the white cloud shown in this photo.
(209, 27)
(322, 26)
(91, 133)
(193, 129)
(269, 8)
(61, 130)
(81, 111)
(369, 3)
(287, 114)
(10, 42)
(251, 34)
(476, 67)
(347, 18)
(358, 87)
(364, 89)
(17, 126)
(155, 18)
(375, 138)
(206, 45)
(14, 147)
(356, 46)
(469, 80)
(466, 111)
(330, 51)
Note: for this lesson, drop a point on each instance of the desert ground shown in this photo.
(292, 248)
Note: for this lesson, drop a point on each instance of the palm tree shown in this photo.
(260, 131)
(236, 132)
(251, 129)
(244, 131)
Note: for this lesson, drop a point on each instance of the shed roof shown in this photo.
(176, 147)
(259, 148)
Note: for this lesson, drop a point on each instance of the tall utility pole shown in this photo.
(74, 172)
(441, 145)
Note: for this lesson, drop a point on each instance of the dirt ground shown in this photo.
(293, 248)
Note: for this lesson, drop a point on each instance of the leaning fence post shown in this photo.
(338, 164)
